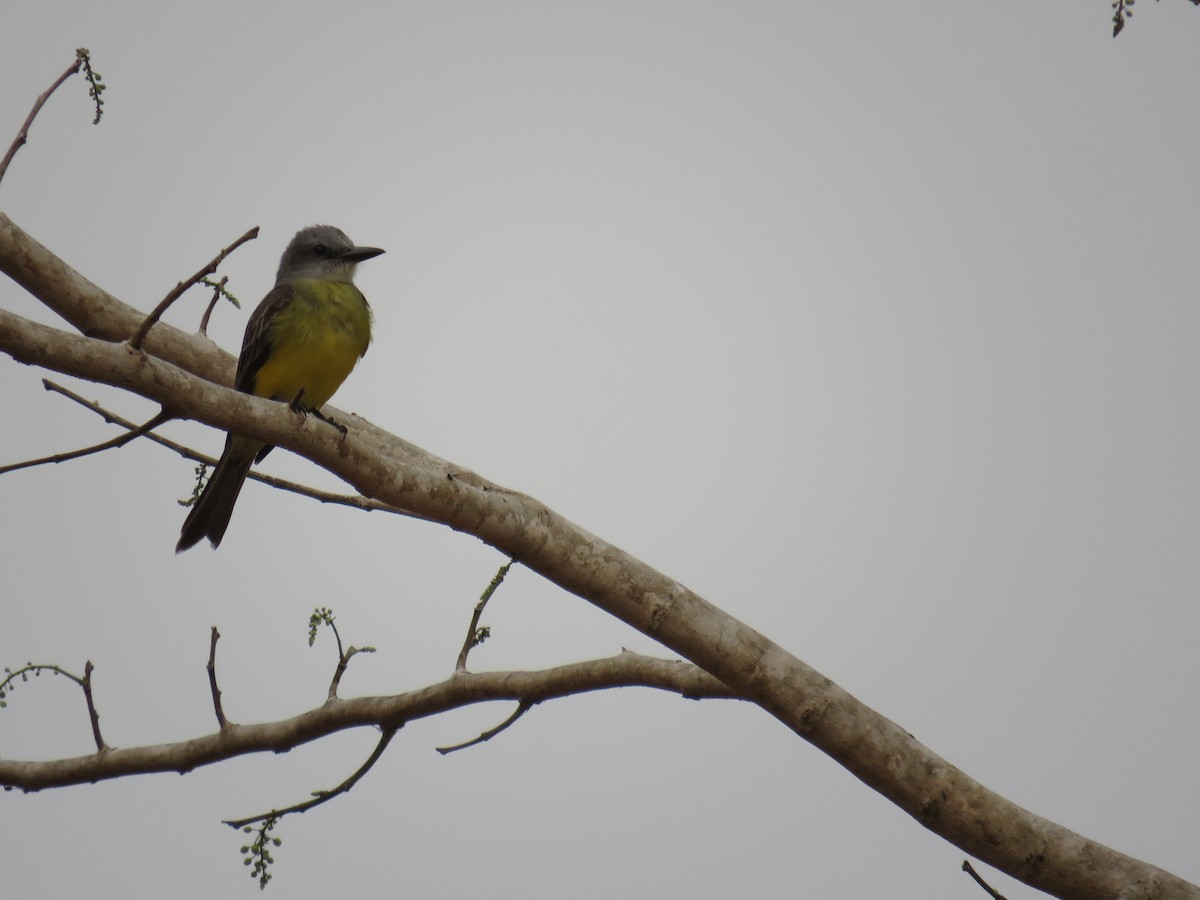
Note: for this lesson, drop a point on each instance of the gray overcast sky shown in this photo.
(874, 323)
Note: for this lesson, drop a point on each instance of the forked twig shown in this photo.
(218, 290)
(11, 678)
(475, 634)
(356, 501)
(324, 616)
(176, 292)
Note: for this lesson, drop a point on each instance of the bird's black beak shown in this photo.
(358, 254)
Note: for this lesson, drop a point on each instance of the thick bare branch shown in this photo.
(876, 750)
(388, 713)
(97, 313)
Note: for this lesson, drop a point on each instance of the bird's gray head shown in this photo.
(323, 253)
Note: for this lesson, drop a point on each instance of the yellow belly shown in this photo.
(315, 343)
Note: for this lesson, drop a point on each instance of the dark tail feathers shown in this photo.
(210, 515)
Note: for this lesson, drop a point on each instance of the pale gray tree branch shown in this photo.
(387, 713)
(382, 466)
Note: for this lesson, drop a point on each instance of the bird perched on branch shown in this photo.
(300, 344)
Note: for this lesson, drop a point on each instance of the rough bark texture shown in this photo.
(462, 689)
(876, 750)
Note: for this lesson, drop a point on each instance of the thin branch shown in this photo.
(11, 678)
(475, 634)
(119, 441)
(23, 135)
(322, 615)
(970, 870)
(176, 292)
(222, 722)
(218, 292)
(355, 501)
(320, 797)
(390, 712)
(521, 709)
(343, 662)
(92, 714)
(36, 668)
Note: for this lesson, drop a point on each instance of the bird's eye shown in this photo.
(320, 250)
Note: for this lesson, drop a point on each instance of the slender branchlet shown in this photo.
(83, 60)
(91, 705)
(355, 501)
(176, 292)
(219, 291)
(475, 634)
(257, 853)
(991, 892)
(13, 678)
(522, 707)
(222, 722)
(324, 616)
(112, 444)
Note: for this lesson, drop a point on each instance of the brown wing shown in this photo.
(256, 345)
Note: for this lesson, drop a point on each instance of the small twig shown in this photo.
(23, 135)
(10, 678)
(475, 634)
(324, 615)
(522, 708)
(320, 797)
(92, 714)
(176, 292)
(218, 290)
(212, 679)
(970, 870)
(85, 682)
(356, 501)
(341, 667)
(119, 441)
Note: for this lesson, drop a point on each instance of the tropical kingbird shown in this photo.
(300, 344)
